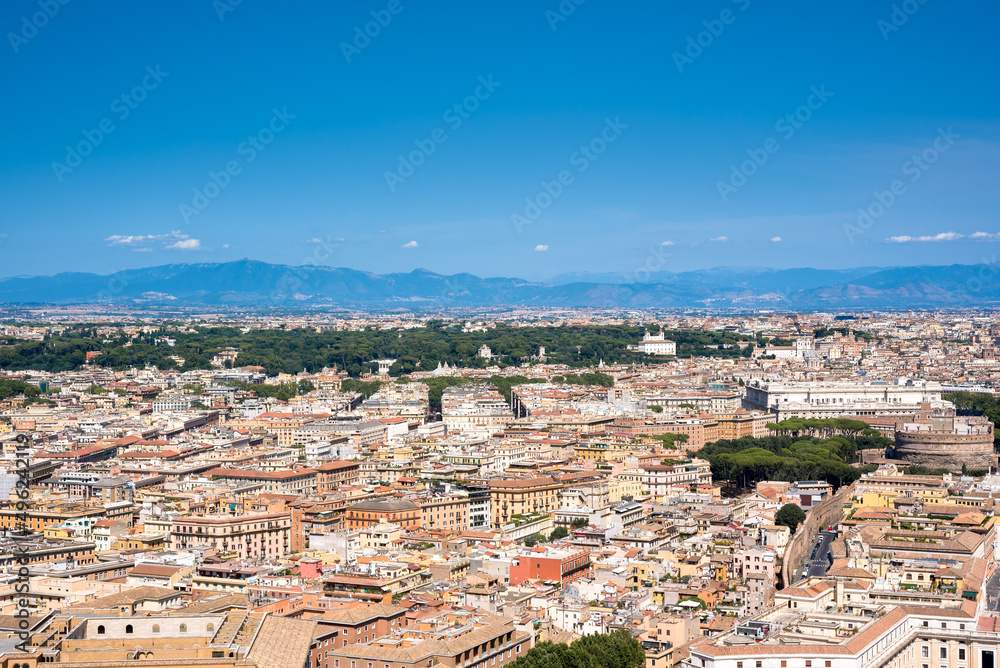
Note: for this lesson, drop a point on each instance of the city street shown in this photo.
(819, 565)
(992, 588)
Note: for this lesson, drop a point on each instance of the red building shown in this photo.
(550, 563)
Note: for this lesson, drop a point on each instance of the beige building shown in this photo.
(263, 536)
(522, 496)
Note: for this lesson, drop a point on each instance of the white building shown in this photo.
(655, 344)
(821, 400)
(862, 636)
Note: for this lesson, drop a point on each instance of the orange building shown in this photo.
(393, 511)
(333, 474)
(547, 563)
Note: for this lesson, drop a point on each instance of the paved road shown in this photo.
(821, 563)
(992, 589)
(818, 565)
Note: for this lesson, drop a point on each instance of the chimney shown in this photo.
(839, 592)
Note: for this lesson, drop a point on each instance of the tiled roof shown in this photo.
(362, 613)
(282, 642)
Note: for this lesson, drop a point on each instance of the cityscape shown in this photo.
(565, 334)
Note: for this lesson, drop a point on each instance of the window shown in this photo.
(128, 628)
(100, 630)
(156, 628)
(943, 653)
(784, 664)
(183, 628)
(961, 654)
(739, 664)
(828, 664)
(925, 652)
(759, 664)
(808, 663)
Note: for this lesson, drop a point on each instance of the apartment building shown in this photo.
(549, 564)
(521, 496)
(300, 481)
(658, 479)
(445, 513)
(475, 409)
(253, 536)
(333, 474)
(390, 511)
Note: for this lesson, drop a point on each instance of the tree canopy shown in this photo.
(614, 650)
(790, 515)
(291, 350)
(746, 461)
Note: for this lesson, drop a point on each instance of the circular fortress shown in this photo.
(946, 443)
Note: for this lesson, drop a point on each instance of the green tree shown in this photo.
(790, 515)
(558, 532)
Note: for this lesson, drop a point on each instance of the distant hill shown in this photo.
(251, 283)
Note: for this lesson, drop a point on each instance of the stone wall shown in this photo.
(827, 513)
(944, 450)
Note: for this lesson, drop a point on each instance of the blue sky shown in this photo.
(599, 139)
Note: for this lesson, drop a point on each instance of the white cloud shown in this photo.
(144, 243)
(776, 239)
(409, 244)
(541, 248)
(943, 236)
(185, 244)
(985, 236)
(225, 245)
(314, 240)
(667, 243)
(720, 239)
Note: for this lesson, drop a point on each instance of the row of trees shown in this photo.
(614, 650)
(747, 461)
(292, 350)
(14, 388)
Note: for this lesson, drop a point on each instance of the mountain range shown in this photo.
(250, 283)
